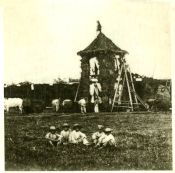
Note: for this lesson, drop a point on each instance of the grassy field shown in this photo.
(143, 142)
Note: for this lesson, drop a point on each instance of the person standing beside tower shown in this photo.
(97, 98)
(82, 103)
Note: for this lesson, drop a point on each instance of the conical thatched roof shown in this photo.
(101, 44)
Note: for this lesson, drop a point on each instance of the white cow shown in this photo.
(13, 102)
(56, 104)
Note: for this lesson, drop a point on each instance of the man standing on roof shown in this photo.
(82, 103)
(99, 26)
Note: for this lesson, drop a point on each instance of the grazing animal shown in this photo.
(56, 104)
(67, 105)
(13, 102)
(37, 105)
(151, 103)
(33, 105)
(27, 105)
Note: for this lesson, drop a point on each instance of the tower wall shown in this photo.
(84, 81)
(106, 77)
(107, 74)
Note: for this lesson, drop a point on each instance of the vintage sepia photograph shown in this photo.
(87, 85)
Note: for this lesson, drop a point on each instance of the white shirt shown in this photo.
(101, 138)
(53, 137)
(65, 134)
(76, 136)
(106, 138)
(93, 62)
(97, 135)
(96, 89)
(82, 102)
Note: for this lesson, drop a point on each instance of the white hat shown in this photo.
(77, 126)
(52, 128)
(108, 130)
(100, 126)
(65, 125)
(118, 79)
(94, 80)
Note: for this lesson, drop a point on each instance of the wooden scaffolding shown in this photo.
(124, 79)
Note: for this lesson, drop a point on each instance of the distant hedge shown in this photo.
(147, 88)
(44, 92)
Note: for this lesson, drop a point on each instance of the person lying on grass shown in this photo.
(96, 136)
(77, 137)
(53, 137)
(65, 133)
(106, 140)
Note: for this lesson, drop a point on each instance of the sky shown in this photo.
(41, 38)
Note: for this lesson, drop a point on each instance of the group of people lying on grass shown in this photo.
(102, 138)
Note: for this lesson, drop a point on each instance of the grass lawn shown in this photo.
(144, 142)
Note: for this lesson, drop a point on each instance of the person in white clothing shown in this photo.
(53, 137)
(97, 98)
(77, 137)
(82, 103)
(65, 134)
(95, 90)
(96, 104)
(94, 66)
(107, 139)
(96, 136)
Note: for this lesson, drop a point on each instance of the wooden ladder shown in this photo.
(134, 99)
(117, 87)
